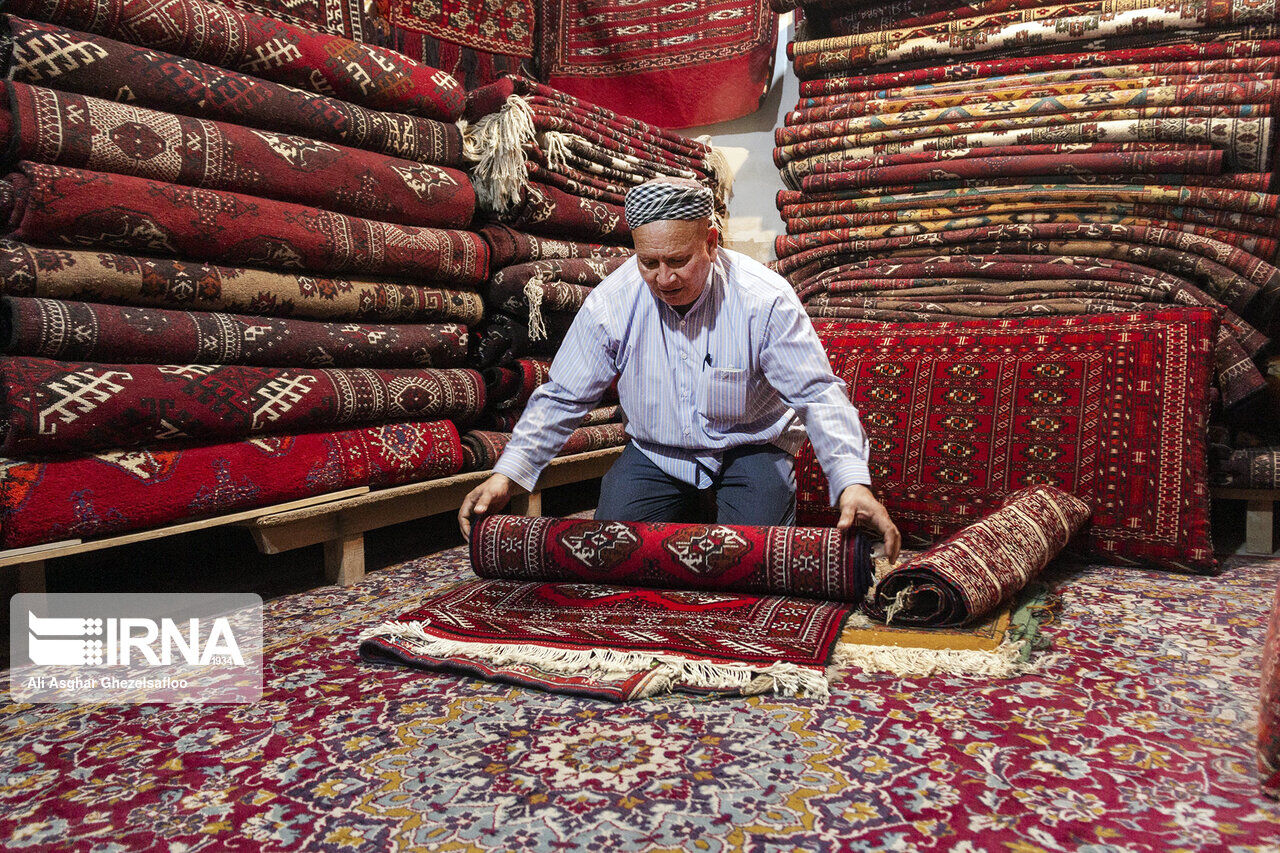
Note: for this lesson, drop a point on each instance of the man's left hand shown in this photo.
(859, 506)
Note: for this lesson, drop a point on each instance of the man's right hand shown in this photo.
(490, 496)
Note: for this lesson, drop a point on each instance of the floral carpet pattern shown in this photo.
(1138, 738)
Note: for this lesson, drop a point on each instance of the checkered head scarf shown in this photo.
(668, 198)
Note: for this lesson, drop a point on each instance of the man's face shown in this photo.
(675, 257)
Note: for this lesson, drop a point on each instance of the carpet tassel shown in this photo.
(496, 143)
(533, 295)
(783, 679)
(1005, 661)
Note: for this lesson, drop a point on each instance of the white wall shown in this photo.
(748, 144)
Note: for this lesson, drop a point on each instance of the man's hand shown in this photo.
(490, 496)
(858, 506)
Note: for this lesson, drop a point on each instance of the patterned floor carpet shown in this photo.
(1138, 739)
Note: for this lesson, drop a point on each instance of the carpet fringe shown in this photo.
(1004, 661)
(533, 295)
(496, 144)
(669, 671)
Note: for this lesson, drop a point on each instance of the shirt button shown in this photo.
(684, 356)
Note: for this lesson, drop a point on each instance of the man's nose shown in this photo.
(666, 275)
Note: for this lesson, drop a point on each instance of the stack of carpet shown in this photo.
(952, 166)
(235, 271)
(557, 168)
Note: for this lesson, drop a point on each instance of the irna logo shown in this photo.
(63, 641)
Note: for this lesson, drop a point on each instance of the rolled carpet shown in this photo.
(511, 386)
(114, 70)
(971, 573)
(482, 448)
(273, 50)
(78, 207)
(76, 274)
(122, 490)
(47, 126)
(805, 561)
(72, 407)
(85, 331)
(508, 247)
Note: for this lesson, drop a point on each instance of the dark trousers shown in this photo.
(756, 486)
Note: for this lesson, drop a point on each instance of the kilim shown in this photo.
(1188, 162)
(254, 44)
(1226, 51)
(653, 60)
(1028, 94)
(1039, 26)
(123, 490)
(984, 564)
(482, 448)
(857, 118)
(1269, 706)
(508, 247)
(70, 61)
(77, 207)
(75, 130)
(75, 274)
(1111, 408)
(64, 407)
(87, 331)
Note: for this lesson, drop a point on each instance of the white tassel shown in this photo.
(533, 295)
(783, 679)
(722, 172)
(496, 143)
(555, 146)
(1004, 661)
(899, 602)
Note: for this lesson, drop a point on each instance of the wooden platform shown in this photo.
(338, 520)
(1259, 517)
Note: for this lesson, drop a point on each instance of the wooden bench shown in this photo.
(338, 520)
(1259, 516)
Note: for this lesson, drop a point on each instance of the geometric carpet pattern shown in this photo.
(1139, 737)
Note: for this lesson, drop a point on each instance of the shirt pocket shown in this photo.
(726, 397)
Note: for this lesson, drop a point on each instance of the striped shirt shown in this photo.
(742, 366)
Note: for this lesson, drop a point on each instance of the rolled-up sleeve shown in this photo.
(580, 373)
(796, 366)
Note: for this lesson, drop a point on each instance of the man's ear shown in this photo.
(713, 239)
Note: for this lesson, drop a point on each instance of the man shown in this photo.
(718, 367)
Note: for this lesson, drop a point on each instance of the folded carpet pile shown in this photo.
(1029, 158)
(550, 163)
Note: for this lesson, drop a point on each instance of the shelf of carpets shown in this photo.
(974, 171)
(558, 168)
(232, 291)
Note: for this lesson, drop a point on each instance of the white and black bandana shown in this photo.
(656, 200)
